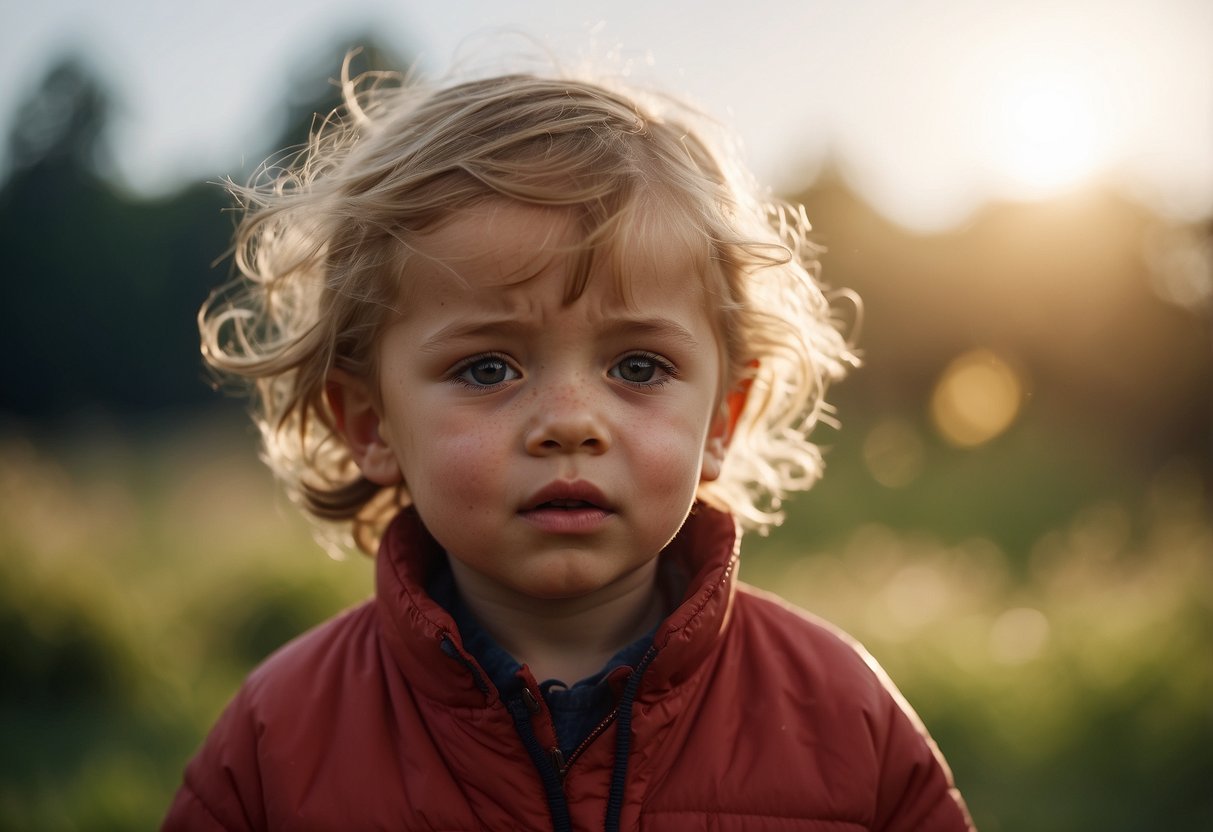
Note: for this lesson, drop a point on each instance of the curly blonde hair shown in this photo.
(324, 245)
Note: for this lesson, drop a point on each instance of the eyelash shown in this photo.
(457, 374)
(665, 368)
(667, 371)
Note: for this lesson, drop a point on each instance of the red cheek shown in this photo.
(469, 463)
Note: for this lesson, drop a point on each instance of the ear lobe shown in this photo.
(358, 422)
(720, 433)
(713, 459)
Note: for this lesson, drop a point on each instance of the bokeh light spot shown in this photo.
(1018, 635)
(1180, 265)
(917, 595)
(977, 398)
(893, 453)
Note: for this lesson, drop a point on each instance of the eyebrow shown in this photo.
(471, 329)
(656, 327)
(504, 327)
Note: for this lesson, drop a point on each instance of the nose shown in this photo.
(567, 421)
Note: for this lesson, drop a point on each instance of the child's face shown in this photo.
(552, 449)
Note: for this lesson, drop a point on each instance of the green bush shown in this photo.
(1068, 681)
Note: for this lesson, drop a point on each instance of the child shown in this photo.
(538, 345)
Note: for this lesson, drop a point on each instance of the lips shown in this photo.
(568, 495)
(568, 508)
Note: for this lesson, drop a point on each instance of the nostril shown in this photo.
(567, 433)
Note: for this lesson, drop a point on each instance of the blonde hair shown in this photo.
(325, 241)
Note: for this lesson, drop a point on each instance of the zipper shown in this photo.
(555, 755)
(542, 759)
(593, 735)
(596, 733)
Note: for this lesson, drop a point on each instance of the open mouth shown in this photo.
(567, 505)
(568, 495)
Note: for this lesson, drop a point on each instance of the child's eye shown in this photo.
(642, 368)
(485, 371)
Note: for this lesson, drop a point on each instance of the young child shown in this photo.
(538, 344)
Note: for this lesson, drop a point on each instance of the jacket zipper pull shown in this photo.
(529, 699)
(557, 757)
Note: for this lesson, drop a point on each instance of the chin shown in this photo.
(567, 589)
(564, 579)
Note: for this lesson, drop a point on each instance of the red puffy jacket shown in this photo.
(745, 715)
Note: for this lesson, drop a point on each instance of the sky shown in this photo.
(929, 108)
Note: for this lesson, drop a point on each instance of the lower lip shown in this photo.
(567, 521)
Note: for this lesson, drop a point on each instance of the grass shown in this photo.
(1057, 640)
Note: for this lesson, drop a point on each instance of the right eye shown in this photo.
(485, 371)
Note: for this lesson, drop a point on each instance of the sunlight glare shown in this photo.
(1047, 135)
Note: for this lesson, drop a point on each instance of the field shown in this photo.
(1063, 659)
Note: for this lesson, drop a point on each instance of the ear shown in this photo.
(720, 432)
(358, 421)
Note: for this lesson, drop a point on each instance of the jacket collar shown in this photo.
(425, 643)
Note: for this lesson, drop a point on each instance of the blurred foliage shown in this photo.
(1069, 684)
(1045, 598)
(102, 287)
(138, 584)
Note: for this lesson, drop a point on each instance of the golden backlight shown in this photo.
(1048, 138)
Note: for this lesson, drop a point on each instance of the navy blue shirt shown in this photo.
(577, 709)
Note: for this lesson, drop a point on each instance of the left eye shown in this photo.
(486, 372)
(640, 369)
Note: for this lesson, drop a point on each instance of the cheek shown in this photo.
(457, 461)
(667, 453)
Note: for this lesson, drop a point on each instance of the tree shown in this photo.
(100, 287)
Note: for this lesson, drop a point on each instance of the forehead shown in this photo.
(500, 249)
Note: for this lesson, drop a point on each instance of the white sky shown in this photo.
(929, 106)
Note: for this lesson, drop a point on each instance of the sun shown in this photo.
(1047, 135)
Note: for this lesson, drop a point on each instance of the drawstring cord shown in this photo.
(557, 805)
(552, 785)
(623, 742)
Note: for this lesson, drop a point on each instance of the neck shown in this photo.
(565, 638)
